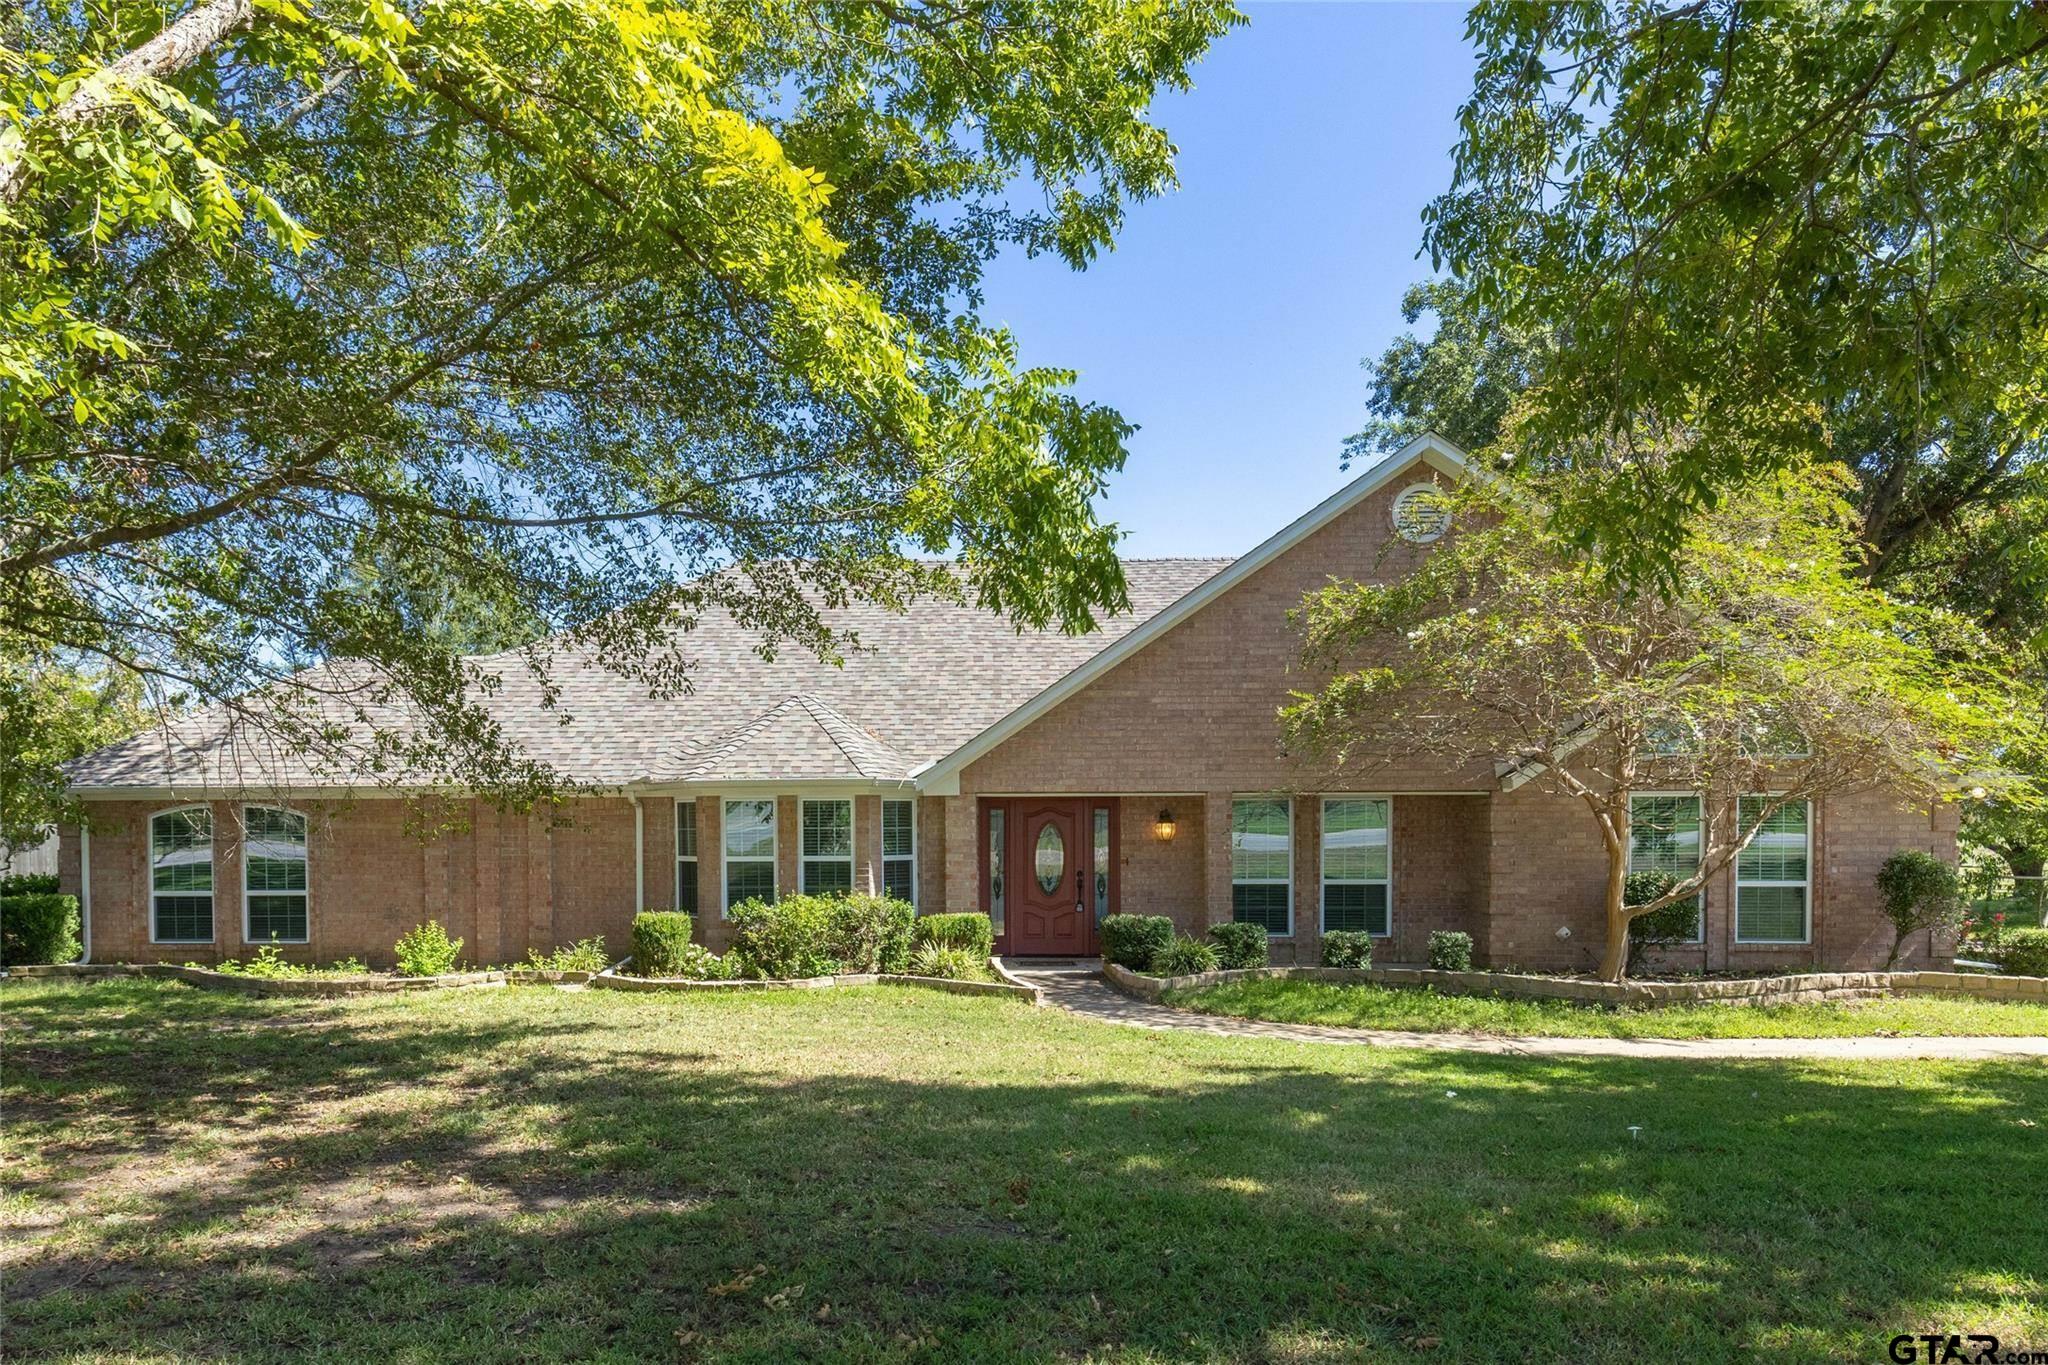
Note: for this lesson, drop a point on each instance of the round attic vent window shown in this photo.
(1421, 513)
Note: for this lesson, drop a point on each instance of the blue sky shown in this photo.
(1231, 318)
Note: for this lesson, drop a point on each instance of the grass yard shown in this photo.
(1393, 1007)
(532, 1174)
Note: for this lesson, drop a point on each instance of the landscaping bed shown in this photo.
(871, 1174)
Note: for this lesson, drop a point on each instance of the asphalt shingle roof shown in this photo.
(922, 683)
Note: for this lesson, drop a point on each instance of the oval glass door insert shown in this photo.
(1049, 862)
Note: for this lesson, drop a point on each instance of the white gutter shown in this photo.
(85, 888)
(639, 854)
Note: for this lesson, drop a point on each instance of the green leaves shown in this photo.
(588, 315)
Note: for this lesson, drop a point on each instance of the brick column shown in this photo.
(1308, 877)
(867, 845)
(228, 839)
(1215, 860)
(963, 857)
(789, 838)
(710, 925)
(540, 884)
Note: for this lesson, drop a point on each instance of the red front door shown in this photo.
(1050, 855)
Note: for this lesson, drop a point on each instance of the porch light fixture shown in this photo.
(1164, 826)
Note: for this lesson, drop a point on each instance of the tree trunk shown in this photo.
(179, 45)
(1614, 960)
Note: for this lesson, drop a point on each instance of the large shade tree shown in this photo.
(1765, 671)
(594, 315)
(1759, 235)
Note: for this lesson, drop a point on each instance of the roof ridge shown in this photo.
(816, 705)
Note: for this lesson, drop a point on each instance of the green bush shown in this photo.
(585, 955)
(788, 938)
(1347, 948)
(698, 963)
(1132, 940)
(1241, 945)
(37, 929)
(1675, 923)
(426, 950)
(970, 931)
(30, 884)
(2025, 952)
(950, 961)
(1183, 957)
(269, 964)
(1450, 951)
(871, 933)
(659, 938)
(1919, 891)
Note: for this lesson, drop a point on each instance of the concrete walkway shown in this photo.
(1078, 988)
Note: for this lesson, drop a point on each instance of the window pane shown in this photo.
(279, 917)
(1664, 835)
(828, 877)
(897, 882)
(1778, 853)
(1771, 914)
(1260, 904)
(750, 829)
(1355, 841)
(995, 870)
(1101, 865)
(184, 919)
(1049, 861)
(749, 881)
(188, 875)
(686, 829)
(686, 885)
(1355, 906)
(828, 829)
(899, 829)
(1259, 841)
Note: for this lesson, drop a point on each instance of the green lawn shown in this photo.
(1394, 1007)
(894, 1175)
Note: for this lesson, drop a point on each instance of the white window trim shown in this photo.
(725, 859)
(1323, 878)
(1805, 884)
(1288, 880)
(149, 873)
(852, 858)
(1701, 923)
(306, 896)
(676, 892)
(887, 857)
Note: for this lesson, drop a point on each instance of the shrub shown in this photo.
(2025, 952)
(426, 950)
(1675, 923)
(1132, 940)
(871, 933)
(1920, 891)
(698, 963)
(585, 955)
(1450, 951)
(29, 884)
(950, 961)
(791, 937)
(269, 965)
(659, 937)
(38, 928)
(1241, 945)
(1347, 948)
(1183, 957)
(970, 931)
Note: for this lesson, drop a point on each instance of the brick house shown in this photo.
(1046, 779)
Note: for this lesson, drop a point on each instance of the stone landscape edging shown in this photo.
(1772, 990)
(208, 979)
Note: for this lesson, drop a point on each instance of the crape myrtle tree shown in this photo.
(587, 316)
(1764, 671)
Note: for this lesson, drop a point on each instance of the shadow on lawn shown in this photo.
(546, 1188)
